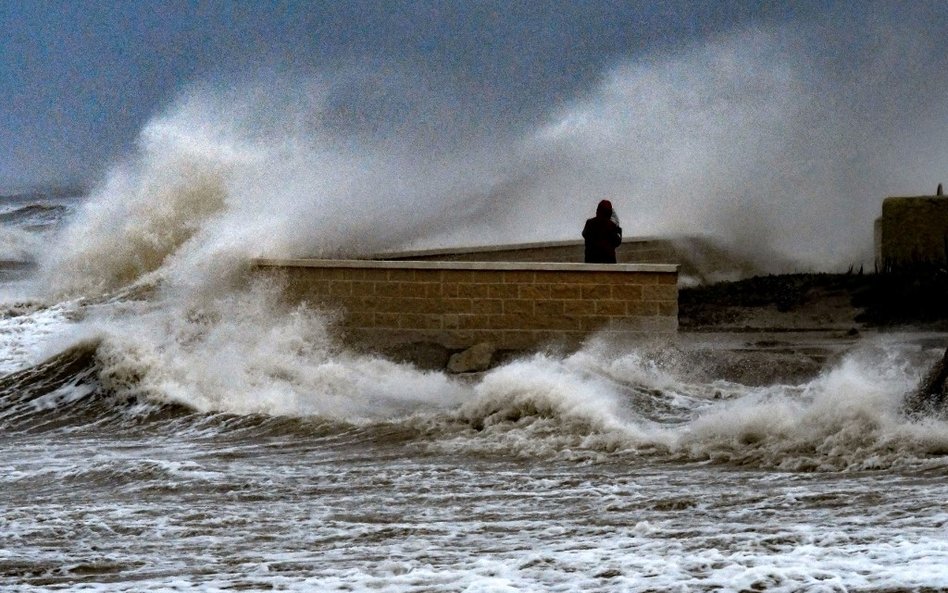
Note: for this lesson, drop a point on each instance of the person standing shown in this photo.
(602, 234)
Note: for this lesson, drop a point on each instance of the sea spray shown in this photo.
(142, 215)
(369, 158)
(224, 176)
(246, 353)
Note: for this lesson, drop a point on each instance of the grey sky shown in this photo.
(777, 127)
(78, 79)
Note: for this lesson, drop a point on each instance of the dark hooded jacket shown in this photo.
(602, 236)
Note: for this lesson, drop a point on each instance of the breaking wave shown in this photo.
(586, 407)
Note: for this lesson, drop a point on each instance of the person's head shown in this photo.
(604, 209)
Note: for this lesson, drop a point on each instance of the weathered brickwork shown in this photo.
(459, 304)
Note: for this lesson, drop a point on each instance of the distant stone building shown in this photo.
(912, 232)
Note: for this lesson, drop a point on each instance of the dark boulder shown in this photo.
(931, 397)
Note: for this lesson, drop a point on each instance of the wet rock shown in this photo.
(426, 356)
(931, 397)
(475, 359)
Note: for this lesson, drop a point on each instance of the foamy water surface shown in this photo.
(590, 472)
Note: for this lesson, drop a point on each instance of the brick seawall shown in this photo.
(457, 304)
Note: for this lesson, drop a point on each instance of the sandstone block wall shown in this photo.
(913, 231)
(458, 304)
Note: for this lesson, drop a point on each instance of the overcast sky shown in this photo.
(78, 80)
(773, 125)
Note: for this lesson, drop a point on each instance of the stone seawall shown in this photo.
(510, 304)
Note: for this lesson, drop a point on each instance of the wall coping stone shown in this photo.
(493, 248)
(462, 265)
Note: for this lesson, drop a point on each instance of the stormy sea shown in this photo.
(168, 423)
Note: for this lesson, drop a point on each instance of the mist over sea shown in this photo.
(168, 424)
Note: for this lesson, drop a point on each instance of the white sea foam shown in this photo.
(27, 331)
(848, 418)
(245, 353)
(397, 525)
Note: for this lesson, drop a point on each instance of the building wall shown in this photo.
(458, 304)
(913, 231)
